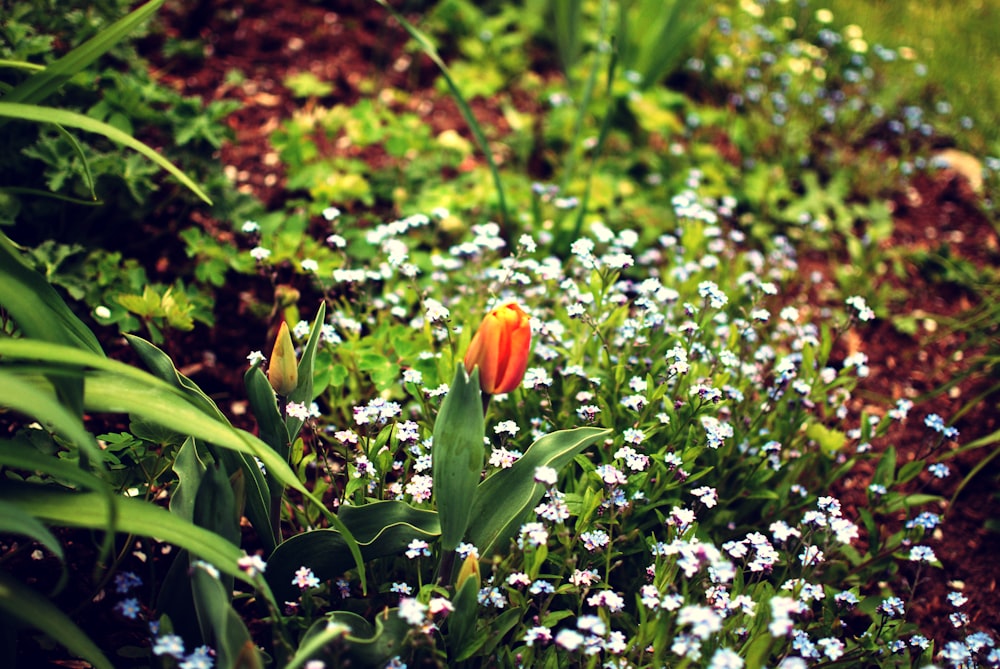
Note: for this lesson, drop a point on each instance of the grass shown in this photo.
(958, 41)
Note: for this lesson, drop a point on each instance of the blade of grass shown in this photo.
(588, 94)
(38, 114)
(39, 86)
(463, 106)
(53, 196)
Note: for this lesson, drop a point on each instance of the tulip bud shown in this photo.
(283, 370)
(500, 349)
(470, 569)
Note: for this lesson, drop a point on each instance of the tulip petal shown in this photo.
(519, 341)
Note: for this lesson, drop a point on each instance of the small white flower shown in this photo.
(546, 475)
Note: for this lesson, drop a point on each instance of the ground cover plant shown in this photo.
(588, 371)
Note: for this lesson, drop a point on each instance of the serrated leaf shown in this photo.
(830, 441)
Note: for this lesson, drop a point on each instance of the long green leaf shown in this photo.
(22, 603)
(12, 521)
(35, 306)
(458, 455)
(162, 367)
(31, 399)
(380, 528)
(463, 106)
(221, 627)
(91, 510)
(153, 399)
(41, 314)
(504, 499)
(303, 393)
(116, 387)
(257, 493)
(39, 114)
(38, 192)
(39, 86)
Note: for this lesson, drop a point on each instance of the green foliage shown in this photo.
(684, 418)
(458, 435)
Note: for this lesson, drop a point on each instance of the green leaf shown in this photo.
(22, 603)
(12, 521)
(40, 313)
(303, 393)
(458, 455)
(271, 427)
(503, 500)
(258, 493)
(885, 471)
(39, 114)
(28, 396)
(39, 86)
(92, 510)
(221, 627)
(380, 528)
(463, 106)
(462, 621)
(367, 644)
(115, 387)
(830, 441)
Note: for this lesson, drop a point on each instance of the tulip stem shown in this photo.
(445, 568)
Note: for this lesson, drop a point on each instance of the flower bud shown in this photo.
(283, 370)
(470, 569)
(500, 349)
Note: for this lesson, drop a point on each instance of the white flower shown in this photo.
(412, 611)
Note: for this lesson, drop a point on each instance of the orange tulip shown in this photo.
(500, 349)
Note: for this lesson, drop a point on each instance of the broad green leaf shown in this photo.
(32, 399)
(221, 627)
(264, 406)
(830, 441)
(504, 499)
(458, 455)
(380, 528)
(462, 621)
(91, 510)
(12, 521)
(367, 644)
(39, 114)
(115, 387)
(257, 491)
(215, 505)
(22, 603)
